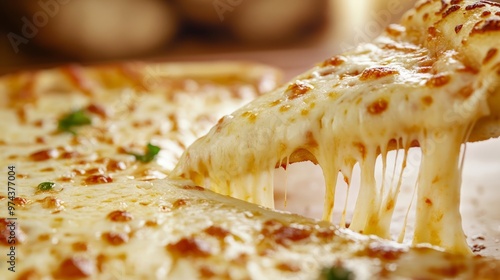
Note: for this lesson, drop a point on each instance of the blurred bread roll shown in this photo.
(96, 29)
(257, 21)
(274, 21)
(201, 12)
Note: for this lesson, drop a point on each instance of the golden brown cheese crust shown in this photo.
(472, 28)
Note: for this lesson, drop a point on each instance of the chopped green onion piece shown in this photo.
(336, 273)
(45, 186)
(75, 118)
(151, 152)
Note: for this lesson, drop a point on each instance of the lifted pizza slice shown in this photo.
(426, 82)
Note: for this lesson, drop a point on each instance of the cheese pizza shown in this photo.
(431, 81)
(87, 150)
(99, 184)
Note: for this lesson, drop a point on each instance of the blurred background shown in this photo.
(290, 34)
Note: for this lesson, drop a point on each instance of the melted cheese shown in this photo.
(417, 84)
(110, 217)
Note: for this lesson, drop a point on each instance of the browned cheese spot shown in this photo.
(275, 102)
(427, 100)
(44, 155)
(334, 61)
(450, 10)
(69, 155)
(424, 69)
(286, 234)
(47, 169)
(390, 205)
(487, 26)
(455, 2)
(79, 246)
(361, 149)
(250, 115)
(179, 203)
(38, 123)
(189, 246)
(100, 260)
(298, 89)
(120, 216)
(383, 252)
(433, 32)
(115, 238)
(44, 237)
(486, 13)
(377, 73)
(98, 179)
(194, 188)
(151, 223)
(466, 91)
(435, 180)
(478, 248)
(438, 80)
(288, 267)
(467, 69)
(51, 202)
(489, 55)
(94, 170)
(285, 108)
(8, 226)
(97, 110)
(21, 201)
(458, 28)
(75, 267)
(217, 232)
(378, 106)
(450, 271)
(474, 6)
(428, 201)
(206, 272)
(115, 165)
(425, 16)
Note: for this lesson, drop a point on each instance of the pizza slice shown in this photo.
(431, 81)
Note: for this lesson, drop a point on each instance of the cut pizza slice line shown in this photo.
(426, 82)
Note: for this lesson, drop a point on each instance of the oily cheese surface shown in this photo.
(110, 216)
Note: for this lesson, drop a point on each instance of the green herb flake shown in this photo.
(75, 118)
(151, 152)
(336, 273)
(46, 186)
